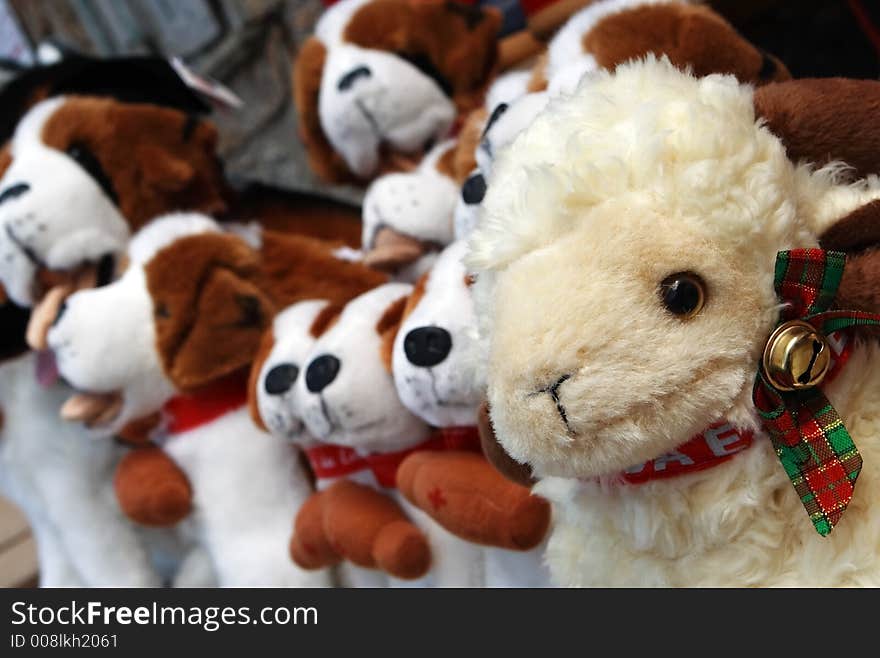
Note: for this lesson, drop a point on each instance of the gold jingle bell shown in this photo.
(796, 356)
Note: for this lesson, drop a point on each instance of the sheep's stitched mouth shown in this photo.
(553, 392)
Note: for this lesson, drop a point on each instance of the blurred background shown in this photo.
(248, 45)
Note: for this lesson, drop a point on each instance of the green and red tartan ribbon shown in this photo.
(809, 437)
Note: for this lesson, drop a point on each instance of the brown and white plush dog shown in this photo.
(600, 372)
(381, 79)
(435, 371)
(197, 302)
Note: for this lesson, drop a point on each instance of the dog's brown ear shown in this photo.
(267, 342)
(308, 69)
(457, 42)
(231, 316)
(820, 120)
(690, 36)
(209, 307)
(855, 232)
(468, 141)
(387, 328)
(325, 319)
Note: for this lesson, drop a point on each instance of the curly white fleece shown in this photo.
(637, 175)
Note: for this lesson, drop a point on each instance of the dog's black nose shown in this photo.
(474, 189)
(427, 346)
(61, 310)
(347, 81)
(280, 378)
(13, 191)
(321, 372)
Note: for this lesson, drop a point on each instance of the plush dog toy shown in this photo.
(435, 372)
(382, 80)
(346, 524)
(636, 306)
(198, 301)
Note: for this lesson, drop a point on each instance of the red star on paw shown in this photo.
(436, 498)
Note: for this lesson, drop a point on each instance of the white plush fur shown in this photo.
(639, 175)
(292, 342)
(64, 219)
(418, 203)
(359, 408)
(396, 104)
(448, 395)
(247, 484)
(63, 482)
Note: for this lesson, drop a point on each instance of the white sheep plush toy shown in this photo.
(435, 372)
(662, 346)
(170, 337)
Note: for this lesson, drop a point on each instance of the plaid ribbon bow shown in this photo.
(815, 449)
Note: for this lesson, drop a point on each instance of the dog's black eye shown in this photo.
(683, 294)
(280, 378)
(105, 270)
(474, 189)
(92, 166)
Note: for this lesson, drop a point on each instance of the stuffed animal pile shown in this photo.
(608, 314)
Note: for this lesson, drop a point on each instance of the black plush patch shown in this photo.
(84, 157)
(13, 324)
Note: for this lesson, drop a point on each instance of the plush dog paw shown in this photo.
(402, 551)
(151, 488)
(463, 493)
(310, 547)
(369, 529)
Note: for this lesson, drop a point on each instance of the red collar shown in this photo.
(331, 461)
(721, 440)
(187, 412)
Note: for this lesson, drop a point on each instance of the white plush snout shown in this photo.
(53, 215)
(435, 352)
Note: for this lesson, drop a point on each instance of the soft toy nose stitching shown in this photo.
(13, 191)
(321, 372)
(280, 378)
(474, 189)
(347, 81)
(61, 309)
(427, 346)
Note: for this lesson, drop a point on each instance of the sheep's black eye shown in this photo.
(84, 157)
(683, 294)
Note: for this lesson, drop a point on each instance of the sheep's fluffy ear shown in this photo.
(308, 69)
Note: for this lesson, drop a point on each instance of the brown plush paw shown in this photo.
(402, 551)
(310, 547)
(463, 493)
(151, 488)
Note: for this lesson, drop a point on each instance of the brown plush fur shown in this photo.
(297, 267)
(267, 342)
(156, 159)
(860, 285)
(301, 214)
(210, 311)
(688, 35)
(497, 455)
(855, 232)
(466, 147)
(5, 159)
(307, 71)
(151, 488)
(325, 319)
(538, 82)
(468, 497)
(820, 120)
(460, 43)
(387, 328)
(357, 523)
(446, 163)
